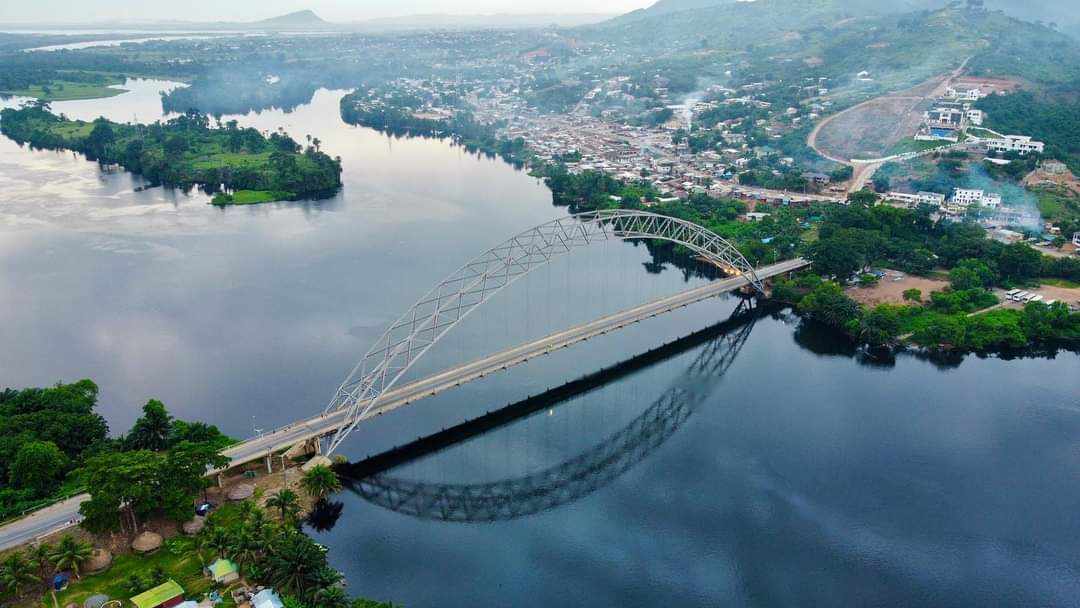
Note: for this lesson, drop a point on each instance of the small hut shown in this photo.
(193, 527)
(223, 571)
(99, 561)
(243, 491)
(95, 601)
(147, 542)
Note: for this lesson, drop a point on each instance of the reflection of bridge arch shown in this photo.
(575, 478)
(429, 319)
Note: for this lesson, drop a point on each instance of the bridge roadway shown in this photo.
(66, 513)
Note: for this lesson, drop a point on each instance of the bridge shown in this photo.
(575, 478)
(371, 389)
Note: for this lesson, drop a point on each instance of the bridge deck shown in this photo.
(65, 513)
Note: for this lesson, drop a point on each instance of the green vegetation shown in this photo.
(1047, 117)
(53, 444)
(248, 197)
(186, 152)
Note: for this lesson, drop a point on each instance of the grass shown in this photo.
(909, 144)
(177, 557)
(249, 197)
(66, 91)
(1063, 283)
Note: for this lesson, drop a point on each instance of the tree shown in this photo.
(182, 476)
(287, 502)
(16, 572)
(41, 556)
(913, 295)
(828, 304)
(151, 431)
(121, 483)
(101, 136)
(1019, 262)
(38, 466)
(880, 326)
(320, 481)
(331, 597)
(970, 273)
(296, 565)
(70, 553)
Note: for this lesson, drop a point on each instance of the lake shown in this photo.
(760, 464)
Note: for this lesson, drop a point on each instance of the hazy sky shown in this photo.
(247, 10)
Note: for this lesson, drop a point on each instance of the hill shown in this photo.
(302, 19)
(839, 39)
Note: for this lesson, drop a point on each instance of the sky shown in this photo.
(250, 10)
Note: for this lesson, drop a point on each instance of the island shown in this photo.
(236, 165)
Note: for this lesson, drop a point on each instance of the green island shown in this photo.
(143, 489)
(236, 165)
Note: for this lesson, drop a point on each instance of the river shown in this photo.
(790, 473)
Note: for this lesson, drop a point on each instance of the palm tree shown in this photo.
(320, 481)
(331, 597)
(41, 556)
(297, 565)
(287, 502)
(215, 539)
(70, 554)
(16, 571)
(244, 546)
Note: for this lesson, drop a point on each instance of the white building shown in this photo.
(914, 200)
(974, 94)
(975, 117)
(963, 198)
(1076, 239)
(1015, 143)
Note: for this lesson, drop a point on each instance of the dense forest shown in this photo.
(53, 439)
(186, 152)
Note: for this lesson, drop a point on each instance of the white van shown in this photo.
(1016, 297)
(1012, 292)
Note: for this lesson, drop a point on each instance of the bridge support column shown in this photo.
(269, 463)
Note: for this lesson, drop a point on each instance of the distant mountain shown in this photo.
(496, 21)
(302, 19)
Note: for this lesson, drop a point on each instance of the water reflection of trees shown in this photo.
(579, 476)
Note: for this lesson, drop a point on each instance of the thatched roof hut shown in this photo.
(146, 542)
(193, 527)
(243, 491)
(99, 560)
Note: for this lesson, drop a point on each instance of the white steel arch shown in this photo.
(435, 314)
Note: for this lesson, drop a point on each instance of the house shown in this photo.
(975, 117)
(964, 94)
(266, 599)
(165, 595)
(964, 198)
(1015, 143)
(914, 200)
(223, 571)
(1076, 239)
(818, 178)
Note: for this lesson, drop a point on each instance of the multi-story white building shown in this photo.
(973, 94)
(1015, 143)
(962, 198)
(1076, 239)
(914, 200)
(975, 117)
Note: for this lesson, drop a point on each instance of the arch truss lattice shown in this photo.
(453, 299)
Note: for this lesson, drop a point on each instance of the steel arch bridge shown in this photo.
(576, 478)
(454, 298)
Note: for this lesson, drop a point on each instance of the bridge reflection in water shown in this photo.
(588, 471)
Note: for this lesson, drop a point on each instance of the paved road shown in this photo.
(66, 513)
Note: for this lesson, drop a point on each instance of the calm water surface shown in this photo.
(797, 476)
